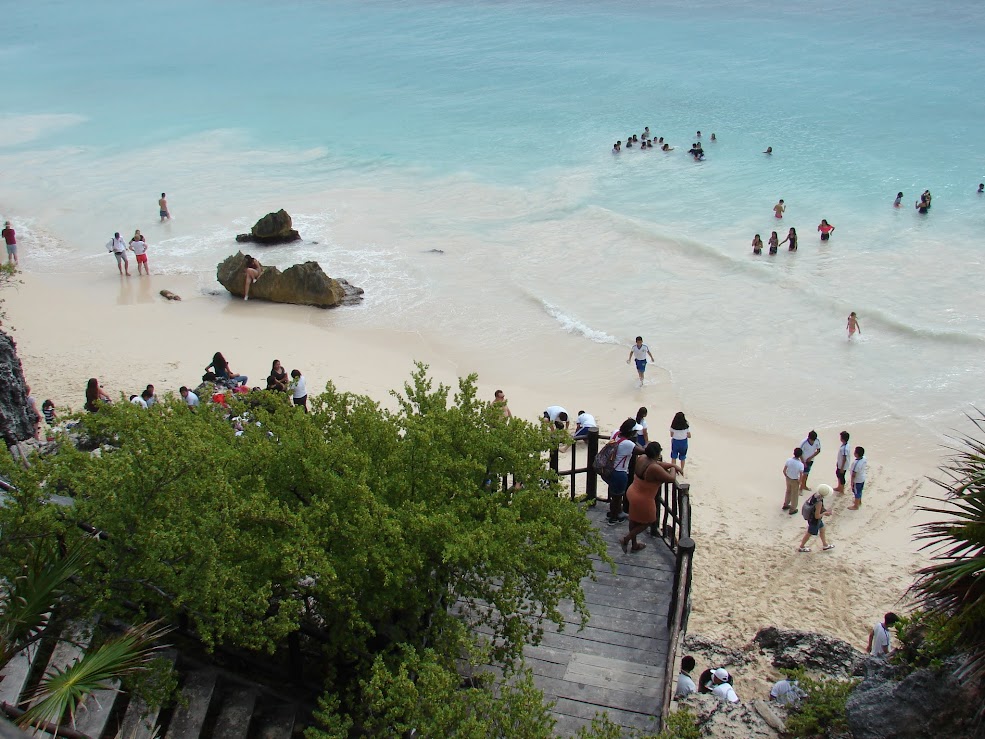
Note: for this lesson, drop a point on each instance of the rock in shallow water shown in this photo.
(273, 228)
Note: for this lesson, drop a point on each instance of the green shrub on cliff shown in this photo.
(364, 530)
(822, 712)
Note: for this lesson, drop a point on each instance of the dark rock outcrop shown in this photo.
(809, 650)
(302, 284)
(273, 228)
(17, 419)
(924, 704)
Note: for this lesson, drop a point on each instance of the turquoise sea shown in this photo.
(484, 129)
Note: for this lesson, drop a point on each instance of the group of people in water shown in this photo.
(774, 242)
(646, 141)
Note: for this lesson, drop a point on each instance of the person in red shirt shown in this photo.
(825, 228)
(11, 238)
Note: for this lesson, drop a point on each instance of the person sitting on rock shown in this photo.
(722, 685)
(252, 273)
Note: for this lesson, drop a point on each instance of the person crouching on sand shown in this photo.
(251, 274)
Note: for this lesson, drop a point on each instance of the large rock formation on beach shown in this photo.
(302, 284)
(273, 228)
(17, 419)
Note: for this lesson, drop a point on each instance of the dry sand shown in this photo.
(748, 573)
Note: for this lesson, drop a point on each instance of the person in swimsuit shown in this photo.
(757, 245)
(853, 325)
(981, 188)
(792, 238)
(251, 274)
(617, 148)
(899, 199)
(825, 228)
(769, 150)
(667, 147)
(650, 474)
(774, 243)
(163, 205)
(922, 205)
(714, 138)
(778, 209)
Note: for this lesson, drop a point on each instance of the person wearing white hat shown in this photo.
(721, 686)
(815, 525)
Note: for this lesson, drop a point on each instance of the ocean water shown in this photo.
(483, 129)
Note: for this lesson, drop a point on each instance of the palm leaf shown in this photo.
(26, 603)
(63, 689)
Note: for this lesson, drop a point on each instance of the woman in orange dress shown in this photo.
(650, 474)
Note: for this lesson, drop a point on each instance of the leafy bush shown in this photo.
(925, 640)
(822, 712)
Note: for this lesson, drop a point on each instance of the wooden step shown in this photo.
(139, 720)
(92, 716)
(193, 705)
(13, 677)
(278, 723)
(235, 714)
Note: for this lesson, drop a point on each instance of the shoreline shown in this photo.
(748, 573)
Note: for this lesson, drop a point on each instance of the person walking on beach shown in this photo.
(138, 245)
(650, 474)
(757, 245)
(815, 513)
(778, 209)
(841, 465)
(811, 447)
(879, 638)
(10, 239)
(793, 468)
(792, 239)
(853, 325)
(162, 204)
(499, 399)
(825, 229)
(640, 351)
(680, 432)
(859, 468)
(774, 243)
(118, 248)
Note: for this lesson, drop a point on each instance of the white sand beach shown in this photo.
(748, 571)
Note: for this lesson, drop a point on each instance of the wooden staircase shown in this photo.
(212, 703)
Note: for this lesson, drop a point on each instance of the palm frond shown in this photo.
(26, 603)
(63, 689)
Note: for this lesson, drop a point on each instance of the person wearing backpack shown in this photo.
(619, 480)
(814, 511)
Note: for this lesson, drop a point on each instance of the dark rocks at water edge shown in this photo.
(273, 228)
(302, 284)
(17, 418)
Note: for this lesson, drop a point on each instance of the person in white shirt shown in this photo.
(811, 447)
(793, 468)
(118, 248)
(138, 245)
(680, 432)
(299, 389)
(787, 692)
(557, 416)
(138, 401)
(619, 482)
(720, 686)
(841, 465)
(685, 685)
(584, 423)
(148, 395)
(640, 351)
(879, 638)
(859, 467)
(190, 398)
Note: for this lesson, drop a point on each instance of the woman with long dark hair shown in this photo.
(650, 473)
(95, 395)
(642, 437)
(220, 366)
(680, 432)
(278, 379)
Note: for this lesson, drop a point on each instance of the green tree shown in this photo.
(374, 531)
(951, 590)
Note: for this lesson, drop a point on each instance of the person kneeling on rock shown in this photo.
(252, 273)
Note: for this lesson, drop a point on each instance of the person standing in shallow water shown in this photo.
(774, 243)
(757, 244)
(853, 325)
(779, 208)
(825, 229)
(162, 205)
(899, 199)
(640, 351)
(792, 239)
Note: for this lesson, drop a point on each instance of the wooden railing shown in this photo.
(673, 527)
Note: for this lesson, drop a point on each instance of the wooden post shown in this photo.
(682, 582)
(592, 479)
(554, 460)
(684, 507)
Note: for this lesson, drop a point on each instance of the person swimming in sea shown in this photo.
(714, 138)
(646, 132)
(825, 228)
(617, 148)
(981, 188)
(791, 238)
(899, 199)
(629, 143)
(922, 205)
(779, 208)
(757, 245)
(769, 150)
(774, 243)
(666, 147)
